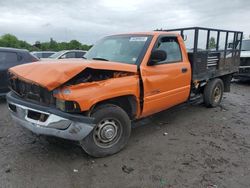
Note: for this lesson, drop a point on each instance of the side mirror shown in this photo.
(157, 56)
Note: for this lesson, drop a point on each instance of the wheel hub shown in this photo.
(106, 133)
(217, 94)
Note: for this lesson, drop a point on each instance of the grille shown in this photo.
(244, 61)
(31, 92)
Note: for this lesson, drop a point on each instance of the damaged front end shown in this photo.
(40, 95)
(59, 109)
(30, 91)
(92, 86)
(37, 109)
(95, 75)
(47, 120)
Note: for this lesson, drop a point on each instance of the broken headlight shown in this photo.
(67, 106)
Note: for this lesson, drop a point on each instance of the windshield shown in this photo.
(245, 45)
(56, 55)
(121, 48)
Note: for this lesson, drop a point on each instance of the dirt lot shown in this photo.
(188, 146)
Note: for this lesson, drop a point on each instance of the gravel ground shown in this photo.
(187, 146)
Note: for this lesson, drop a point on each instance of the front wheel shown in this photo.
(111, 132)
(213, 92)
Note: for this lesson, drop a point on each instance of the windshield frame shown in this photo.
(141, 54)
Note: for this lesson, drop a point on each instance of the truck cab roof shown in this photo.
(152, 33)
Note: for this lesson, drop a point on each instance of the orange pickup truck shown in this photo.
(120, 79)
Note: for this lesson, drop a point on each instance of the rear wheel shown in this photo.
(111, 132)
(213, 92)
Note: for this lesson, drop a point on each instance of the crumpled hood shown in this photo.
(52, 74)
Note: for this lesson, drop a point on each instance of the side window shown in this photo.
(79, 54)
(171, 46)
(68, 55)
(8, 57)
(39, 55)
(19, 57)
(46, 55)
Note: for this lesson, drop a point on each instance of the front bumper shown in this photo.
(44, 120)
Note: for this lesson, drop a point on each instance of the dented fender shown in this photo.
(88, 94)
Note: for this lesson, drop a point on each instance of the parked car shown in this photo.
(244, 69)
(10, 57)
(42, 54)
(66, 54)
(123, 78)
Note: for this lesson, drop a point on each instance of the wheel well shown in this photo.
(226, 79)
(128, 103)
(227, 82)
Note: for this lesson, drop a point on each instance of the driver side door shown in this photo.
(166, 83)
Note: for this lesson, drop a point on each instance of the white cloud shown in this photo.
(87, 20)
(121, 5)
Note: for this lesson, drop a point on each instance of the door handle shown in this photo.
(184, 69)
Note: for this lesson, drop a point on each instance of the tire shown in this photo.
(111, 133)
(213, 93)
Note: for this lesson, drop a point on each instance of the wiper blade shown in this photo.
(99, 58)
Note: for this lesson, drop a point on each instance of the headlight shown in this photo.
(67, 106)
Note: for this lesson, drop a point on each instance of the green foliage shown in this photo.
(9, 40)
(212, 43)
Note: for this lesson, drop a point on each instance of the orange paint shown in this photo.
(51, 74)
(88, 94)
(163, 85)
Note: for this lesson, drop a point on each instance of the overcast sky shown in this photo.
(89, 20)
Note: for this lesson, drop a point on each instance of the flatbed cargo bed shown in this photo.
(212, 52)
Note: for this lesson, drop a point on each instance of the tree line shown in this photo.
(12, 41)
